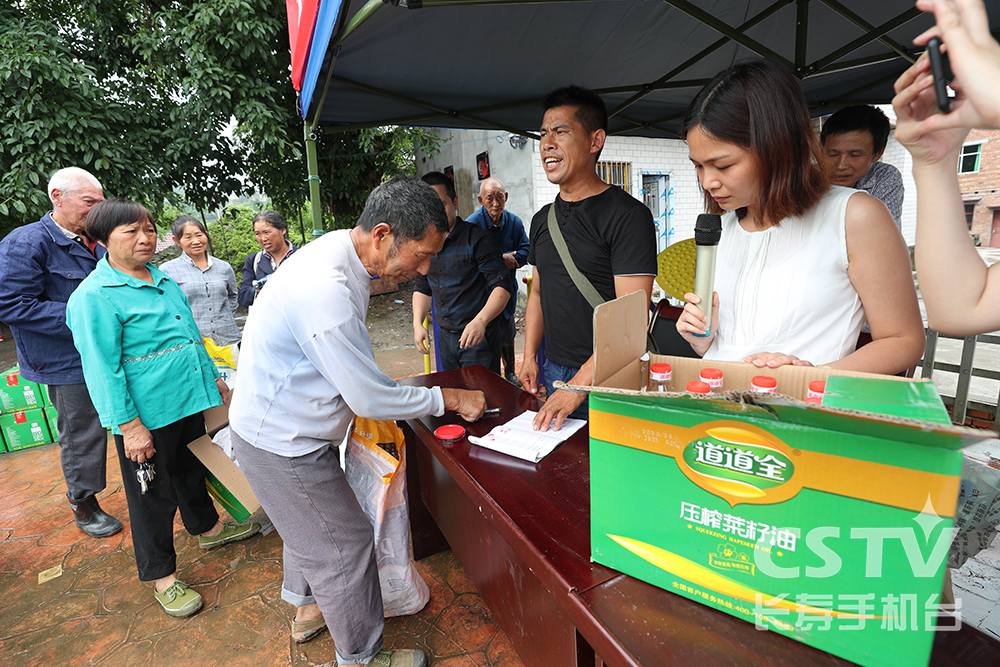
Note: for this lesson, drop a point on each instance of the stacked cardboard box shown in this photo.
(826, 523)
(23, 421)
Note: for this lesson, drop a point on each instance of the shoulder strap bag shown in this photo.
(584, 285)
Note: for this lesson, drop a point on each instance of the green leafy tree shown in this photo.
(352, 164)
(142, 93)
(232, 237)
(170, 100)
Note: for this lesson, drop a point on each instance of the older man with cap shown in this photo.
(508, 232)
(40, 266)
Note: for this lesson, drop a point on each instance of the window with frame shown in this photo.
(616, 173)
(970, 210)
(968, 161)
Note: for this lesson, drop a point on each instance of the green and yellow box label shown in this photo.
(836, 539)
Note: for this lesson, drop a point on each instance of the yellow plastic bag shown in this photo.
(376, 470)
(224, 358)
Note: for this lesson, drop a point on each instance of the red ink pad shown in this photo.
(449, 434)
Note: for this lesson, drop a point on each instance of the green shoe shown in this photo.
(401, 657)
(178, 600)
(231, 532)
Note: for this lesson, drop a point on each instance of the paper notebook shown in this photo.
(518, 438)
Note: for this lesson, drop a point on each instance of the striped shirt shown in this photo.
(884, 182)
(212, 295)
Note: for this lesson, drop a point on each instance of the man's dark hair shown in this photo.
(110, 214)
(859, 117)
(433, 178)
(408, 205)
(591, 111)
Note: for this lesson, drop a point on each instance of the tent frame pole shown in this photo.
(312, 164)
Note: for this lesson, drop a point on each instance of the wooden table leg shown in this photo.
(424, 533)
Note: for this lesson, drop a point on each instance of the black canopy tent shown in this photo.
(487, 63)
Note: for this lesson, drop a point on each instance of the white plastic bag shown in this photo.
(376, 471)
(978, 511)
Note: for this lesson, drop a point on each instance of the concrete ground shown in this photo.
(73, 600)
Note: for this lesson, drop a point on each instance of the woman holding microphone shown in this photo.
(801, 265)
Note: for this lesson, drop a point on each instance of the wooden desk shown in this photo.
(522, 533)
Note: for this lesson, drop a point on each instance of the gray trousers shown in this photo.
(329, 550)
(83, 442)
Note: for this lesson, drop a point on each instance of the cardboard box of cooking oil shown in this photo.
(827, 523)
(24, 428)
(51, 418)
(46, 399)
(16, 393)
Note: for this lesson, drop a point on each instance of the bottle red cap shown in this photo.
(698, 387)
(818, 386)
(660, 368)
(764, 381)
(711, 373)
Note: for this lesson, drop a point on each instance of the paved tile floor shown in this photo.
(97, 612)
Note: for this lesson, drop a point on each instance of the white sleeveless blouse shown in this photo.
(786, 289)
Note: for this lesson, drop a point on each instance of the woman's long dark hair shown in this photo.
(759, 106)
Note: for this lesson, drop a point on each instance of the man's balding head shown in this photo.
(73, 192)
(493, 196)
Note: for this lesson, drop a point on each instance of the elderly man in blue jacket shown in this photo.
(40, 266)
(508, 232)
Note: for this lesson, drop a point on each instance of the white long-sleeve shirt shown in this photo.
(306, 363)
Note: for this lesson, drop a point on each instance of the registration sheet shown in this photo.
(518, 438)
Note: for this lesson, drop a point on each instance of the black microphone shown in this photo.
(707, 232)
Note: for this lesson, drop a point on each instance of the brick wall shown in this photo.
(646, 156)
(976, 418)
(983, 187)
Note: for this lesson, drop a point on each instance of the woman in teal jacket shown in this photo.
(150, 378)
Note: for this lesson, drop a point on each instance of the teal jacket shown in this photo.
(141, 350)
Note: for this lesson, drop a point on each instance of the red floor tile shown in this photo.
(98, 612)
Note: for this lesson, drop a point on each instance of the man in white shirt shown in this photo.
(306, 368)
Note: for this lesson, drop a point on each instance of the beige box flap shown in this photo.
(227, 472)
(216, 418)
(620, 338)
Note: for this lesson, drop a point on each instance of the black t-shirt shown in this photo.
(610, 234)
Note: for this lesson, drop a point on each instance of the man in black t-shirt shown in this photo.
(611, 238)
